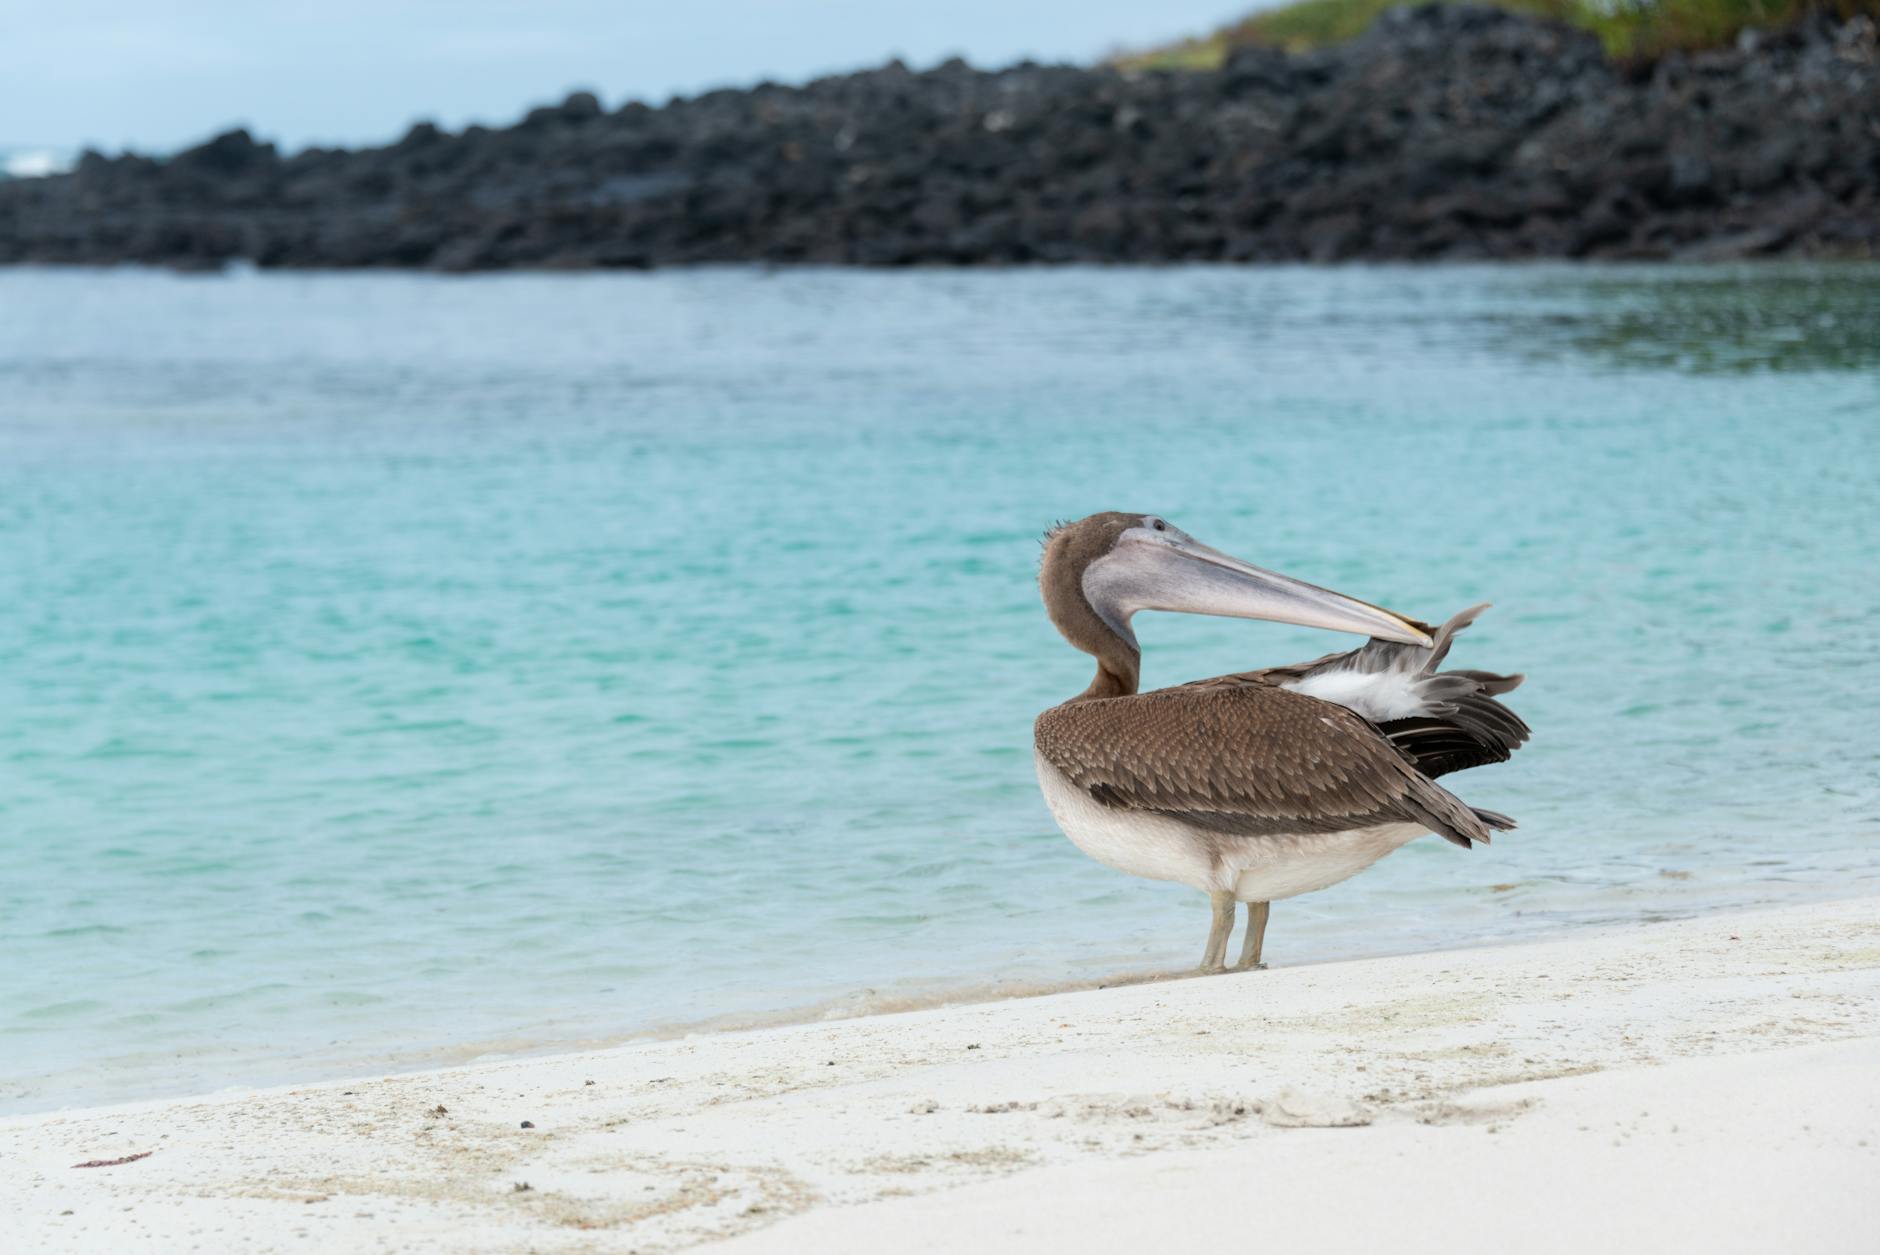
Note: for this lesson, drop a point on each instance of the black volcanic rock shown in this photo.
(1444, 132)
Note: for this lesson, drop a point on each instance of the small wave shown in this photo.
(63, 1010)
(33, 163)
(86, 930)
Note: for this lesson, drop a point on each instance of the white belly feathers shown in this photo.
(1270, 868)
(1253, 869)
(1150, 846)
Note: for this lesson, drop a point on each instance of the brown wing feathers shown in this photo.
(1246, 758)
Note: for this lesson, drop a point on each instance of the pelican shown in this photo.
(1264, 784)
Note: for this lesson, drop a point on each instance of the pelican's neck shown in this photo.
(1119, 660)
(1119, 670)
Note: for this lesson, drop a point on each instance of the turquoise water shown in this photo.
(401, 668)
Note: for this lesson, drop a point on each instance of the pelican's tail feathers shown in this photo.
(1442, 721)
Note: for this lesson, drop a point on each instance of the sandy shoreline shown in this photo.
(1710, 1083)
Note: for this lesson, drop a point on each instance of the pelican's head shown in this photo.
(1099, 571)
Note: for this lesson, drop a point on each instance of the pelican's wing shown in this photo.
(1246, 758)
(1444, 720)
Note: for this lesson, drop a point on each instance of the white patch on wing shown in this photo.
(1377, 695)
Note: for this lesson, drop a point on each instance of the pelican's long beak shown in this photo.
(1179, 573)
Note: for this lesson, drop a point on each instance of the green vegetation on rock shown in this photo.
(1630, 29)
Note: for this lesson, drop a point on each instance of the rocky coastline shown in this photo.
(1445, 132)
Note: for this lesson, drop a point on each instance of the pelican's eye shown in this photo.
(1158, 524)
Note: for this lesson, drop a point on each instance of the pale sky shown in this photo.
(157, 75)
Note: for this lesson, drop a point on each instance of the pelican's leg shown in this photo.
(1256, 933)
(1216, 955)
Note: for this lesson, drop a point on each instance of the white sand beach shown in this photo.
(1709, 1085)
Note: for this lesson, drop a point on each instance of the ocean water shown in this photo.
(396, 669)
